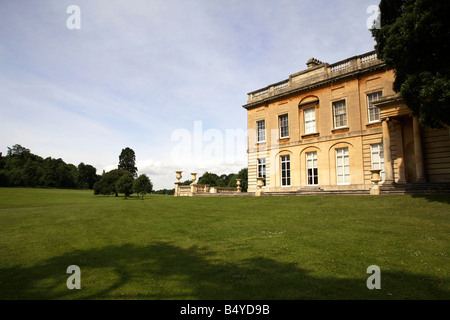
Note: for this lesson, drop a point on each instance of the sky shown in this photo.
(166, 78)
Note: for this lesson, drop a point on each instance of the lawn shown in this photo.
(315, 247)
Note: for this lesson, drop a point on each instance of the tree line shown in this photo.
(224, 180)
(21, 168)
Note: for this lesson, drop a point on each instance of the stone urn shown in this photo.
(193, 177)
(260, 182)
(259, 185)
(179, 176)
(375, 178)
(238, 183)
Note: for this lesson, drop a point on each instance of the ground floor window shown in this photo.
(342, 166)
(262, 169)
(377, 157)
(285, 171)
(311, 169)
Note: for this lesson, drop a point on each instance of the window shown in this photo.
(284, 126)
(340, 114)
(285, 171)
(311, 169)
(261, 130)
(377, 156)
(310, 120)
(262, 169)
(374, 112)
(342, 166)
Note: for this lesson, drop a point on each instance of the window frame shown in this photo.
(381, 160)
(262, 130)
(344, 175)
(285, 170)
(312, 111)
(261, 168)
(315, 170)
(376, 108)
(333, 104)
(286, 125)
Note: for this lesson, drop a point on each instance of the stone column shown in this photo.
(418, 152)
(177, 189)
(400, 155)
(178, 183)
(388, 167)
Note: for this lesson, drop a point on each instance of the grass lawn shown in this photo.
(163, 247)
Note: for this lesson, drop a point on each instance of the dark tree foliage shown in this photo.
(165, 191)
(225, 180)
(125, 185)
(414, 40)
(127, 161)
(87, 176)
(18, 150)
(209, 178)
(243, 175)
(142, 185)
(107, 185)
(187, 183)
(21, 168)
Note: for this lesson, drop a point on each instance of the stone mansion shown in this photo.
(326, 127)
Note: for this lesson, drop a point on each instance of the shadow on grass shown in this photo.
(444, 198)
(164, 271)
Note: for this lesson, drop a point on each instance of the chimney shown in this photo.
(313, 62)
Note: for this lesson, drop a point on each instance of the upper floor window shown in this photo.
(374, 112)
(284, 126)
(261, 131)
(340, 114)
(310, 120)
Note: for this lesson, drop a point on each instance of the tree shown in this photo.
(108, 182)
(232, 182)
(414, 41)
(187, 183)
(209, 178)
(18, 150)
(87, 176)
(243, 175)
(125, 185)
(21, 168)
(127, 161)
(142, 185)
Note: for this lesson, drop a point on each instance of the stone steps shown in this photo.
(234, 194)
(415, 188)
(317, 193)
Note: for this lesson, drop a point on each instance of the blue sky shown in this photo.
(138, 71)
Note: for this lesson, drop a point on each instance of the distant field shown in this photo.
(163, 247)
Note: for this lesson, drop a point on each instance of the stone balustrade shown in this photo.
(200, 189)
(320, 71)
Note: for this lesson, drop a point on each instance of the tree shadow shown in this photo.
(444, 198)
(163, 271)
